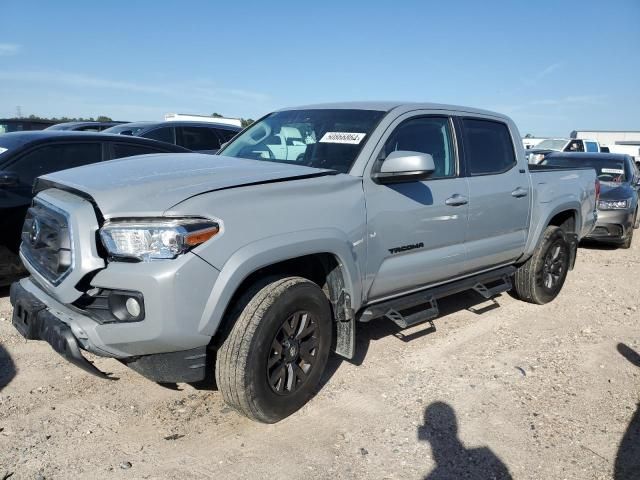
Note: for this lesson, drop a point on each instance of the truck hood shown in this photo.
(148, 185)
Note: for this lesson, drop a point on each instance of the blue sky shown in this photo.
(554, 66)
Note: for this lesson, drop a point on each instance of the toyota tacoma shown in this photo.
(257, 263)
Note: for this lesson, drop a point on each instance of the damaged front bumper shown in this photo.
(34, 321)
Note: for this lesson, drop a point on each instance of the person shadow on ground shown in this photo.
(7, 368)
(453, 460)
(627, 464)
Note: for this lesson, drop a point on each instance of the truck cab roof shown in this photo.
(387, 106)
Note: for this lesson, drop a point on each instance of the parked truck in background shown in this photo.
(261, 262)
(536, 154)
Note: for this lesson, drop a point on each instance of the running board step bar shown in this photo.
(422, 306)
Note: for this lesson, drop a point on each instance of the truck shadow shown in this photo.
(372, 331)
(593, 245)
(627, 463)
(453, 459)
(369, 332)
(7, 368)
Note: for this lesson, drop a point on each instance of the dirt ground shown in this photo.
(495, 389)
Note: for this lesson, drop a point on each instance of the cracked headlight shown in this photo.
(613, 204)
(155, 239)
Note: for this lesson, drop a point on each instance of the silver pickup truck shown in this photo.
(258, 262)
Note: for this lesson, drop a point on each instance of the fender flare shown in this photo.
(541, 225)
(272, 250)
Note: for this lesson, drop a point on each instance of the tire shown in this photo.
(626, 243)
(271, 362)
(540, 279)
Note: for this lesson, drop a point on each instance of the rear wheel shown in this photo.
(541, 278)
(271, 362)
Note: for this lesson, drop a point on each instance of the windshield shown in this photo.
(551, 144)
(607, 170)
(328, 138)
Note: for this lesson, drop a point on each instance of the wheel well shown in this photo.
(566, 220)
(323, 269)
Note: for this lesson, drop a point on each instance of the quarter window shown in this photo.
(487, 146)
(430, 135)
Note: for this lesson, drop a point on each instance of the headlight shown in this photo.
(613, 204)
(154, 239)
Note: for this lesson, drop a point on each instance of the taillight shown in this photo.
(597, 190)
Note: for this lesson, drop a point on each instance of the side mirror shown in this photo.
(404, 166)
(127, 132)
(8, 179)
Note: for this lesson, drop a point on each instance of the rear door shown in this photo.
(416, 230)
(499, 194)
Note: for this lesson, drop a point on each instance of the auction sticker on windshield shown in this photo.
(612, 170)
(342, 137)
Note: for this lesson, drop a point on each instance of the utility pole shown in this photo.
(19, 111)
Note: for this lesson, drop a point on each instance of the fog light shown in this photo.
(133, 307)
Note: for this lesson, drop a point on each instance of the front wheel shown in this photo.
(540, 279)
(271, 362)
(628, 240)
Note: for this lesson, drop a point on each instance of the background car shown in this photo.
(23, 124)
(24, 156)
(203, 137)
(84, 126)
(620, 184)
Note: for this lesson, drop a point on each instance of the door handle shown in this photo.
(456, 200)
(519, 192)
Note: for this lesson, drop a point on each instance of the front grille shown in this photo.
(46, 241)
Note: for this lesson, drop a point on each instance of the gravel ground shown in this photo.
(494, 390)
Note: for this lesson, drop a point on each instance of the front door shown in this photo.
(416, 230)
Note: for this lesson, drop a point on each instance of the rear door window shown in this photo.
(488, 147)
(52, 158)
(163, 134)
(121, 150)
(591, 146)
(199, 138)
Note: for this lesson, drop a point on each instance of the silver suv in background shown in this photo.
(261, 262)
